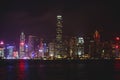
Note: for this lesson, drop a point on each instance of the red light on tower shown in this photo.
(22, 43)
(116, 46)
(117, 38)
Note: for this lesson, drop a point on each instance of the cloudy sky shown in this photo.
(39, 18)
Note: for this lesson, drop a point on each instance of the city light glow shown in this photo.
(26, 46)
(116, 46)
(1, 42)
(22, 43)
(117, 38)
(40, 50)
(51, 55)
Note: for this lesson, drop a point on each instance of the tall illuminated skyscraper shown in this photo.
(59, 29)
(22, 45)
(59, 36)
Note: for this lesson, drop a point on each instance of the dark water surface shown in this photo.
(59, 70)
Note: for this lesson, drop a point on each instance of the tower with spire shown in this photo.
(22, 45)
(59, 36)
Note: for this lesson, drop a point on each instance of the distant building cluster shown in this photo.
(75, 47)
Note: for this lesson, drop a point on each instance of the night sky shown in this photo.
(39, 18)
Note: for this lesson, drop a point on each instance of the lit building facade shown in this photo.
(116, 47)
(80, 46)
(22, 45)
(59, 36)
(10, 50)
(51, 47)
(1, 49)
(41, 49)
(73, 47)
(97, 45)
(33, 43)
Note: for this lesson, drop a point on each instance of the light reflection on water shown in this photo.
(117, 70)
(22, 70)
(26, 70)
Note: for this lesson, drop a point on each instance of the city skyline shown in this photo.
(39, 18)
(77, 47)
(59, 40)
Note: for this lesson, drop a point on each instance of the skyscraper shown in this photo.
(33, 42)
(80, 46)
(59, 29)
(41, 49)
(97, 45)
(1, 49)
(22, 45)
(59, 36)
(51, 47)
